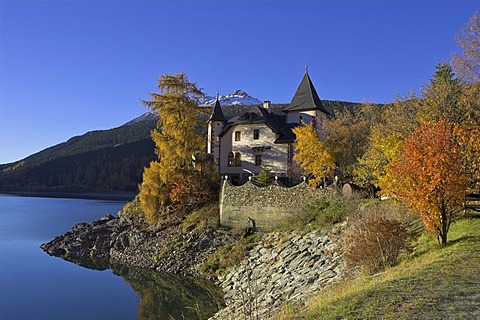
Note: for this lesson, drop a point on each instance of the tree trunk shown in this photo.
(444, 239)
(444, 228)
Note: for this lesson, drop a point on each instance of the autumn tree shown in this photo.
(431, 174)
(467, 65)
(178, 141)
(154, 194)
(312, 154)
(394, 123)
(346, 134)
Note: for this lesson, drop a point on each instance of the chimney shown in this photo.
(266, 104)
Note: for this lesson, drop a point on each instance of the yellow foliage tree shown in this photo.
(395, 122)
(178, 141)
(312, 155)
(154, 194)
(346, 134)
(176, 137)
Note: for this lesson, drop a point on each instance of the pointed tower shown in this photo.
(305, 106)
(216, 124)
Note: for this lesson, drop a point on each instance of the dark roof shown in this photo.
(217, 113)
(257, 115)
(306, 97)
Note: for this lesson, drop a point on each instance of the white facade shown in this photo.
(245, 147)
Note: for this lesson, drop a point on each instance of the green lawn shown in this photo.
(433, 283)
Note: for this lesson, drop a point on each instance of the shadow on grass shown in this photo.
(464, 239)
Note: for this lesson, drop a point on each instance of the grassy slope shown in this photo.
(433, 284)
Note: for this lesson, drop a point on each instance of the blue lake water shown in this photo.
(34, 285)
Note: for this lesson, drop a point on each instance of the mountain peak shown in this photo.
(237, 97)
(238, 93)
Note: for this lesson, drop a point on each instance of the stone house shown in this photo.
(240, 145)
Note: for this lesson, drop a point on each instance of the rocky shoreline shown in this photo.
(120, 240)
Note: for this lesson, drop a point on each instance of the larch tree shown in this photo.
(176, 138)
(312, 155)
(432, 175)
(179, 140)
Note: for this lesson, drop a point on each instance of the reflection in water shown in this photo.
(166, 296)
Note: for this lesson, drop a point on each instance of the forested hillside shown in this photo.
(98, 161)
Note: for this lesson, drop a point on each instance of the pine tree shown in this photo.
(264, 177)
(442, 97)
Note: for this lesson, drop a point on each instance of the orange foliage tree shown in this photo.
(431, 174)
(191, 190)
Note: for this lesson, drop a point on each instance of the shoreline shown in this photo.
(110, 196)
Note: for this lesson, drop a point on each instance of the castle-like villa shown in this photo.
(240, 145)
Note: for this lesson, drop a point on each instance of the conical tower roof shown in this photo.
(217, 113)
(306, 97)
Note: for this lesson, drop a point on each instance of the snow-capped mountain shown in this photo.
(237, 97)
(147, 116)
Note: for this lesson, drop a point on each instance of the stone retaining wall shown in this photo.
(265, 205)
(282, 268)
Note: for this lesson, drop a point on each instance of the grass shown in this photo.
(433, 283)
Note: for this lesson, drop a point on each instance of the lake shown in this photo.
(34, 285)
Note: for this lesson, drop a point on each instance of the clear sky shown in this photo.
(68, 67)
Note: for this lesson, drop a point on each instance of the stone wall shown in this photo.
(265, 205)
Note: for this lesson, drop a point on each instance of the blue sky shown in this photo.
(68, 67)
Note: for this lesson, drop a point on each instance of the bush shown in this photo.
(191, 191)
(376, 239)
(328, 211)
(228, 255)
(205, 217)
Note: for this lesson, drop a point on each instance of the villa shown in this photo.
(242, 144)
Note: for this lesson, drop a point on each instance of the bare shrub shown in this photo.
(376, 238)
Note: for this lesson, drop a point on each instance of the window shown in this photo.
(231, 160)
(258, 160)
(256, 134)
(238, 161)
(237, 135)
